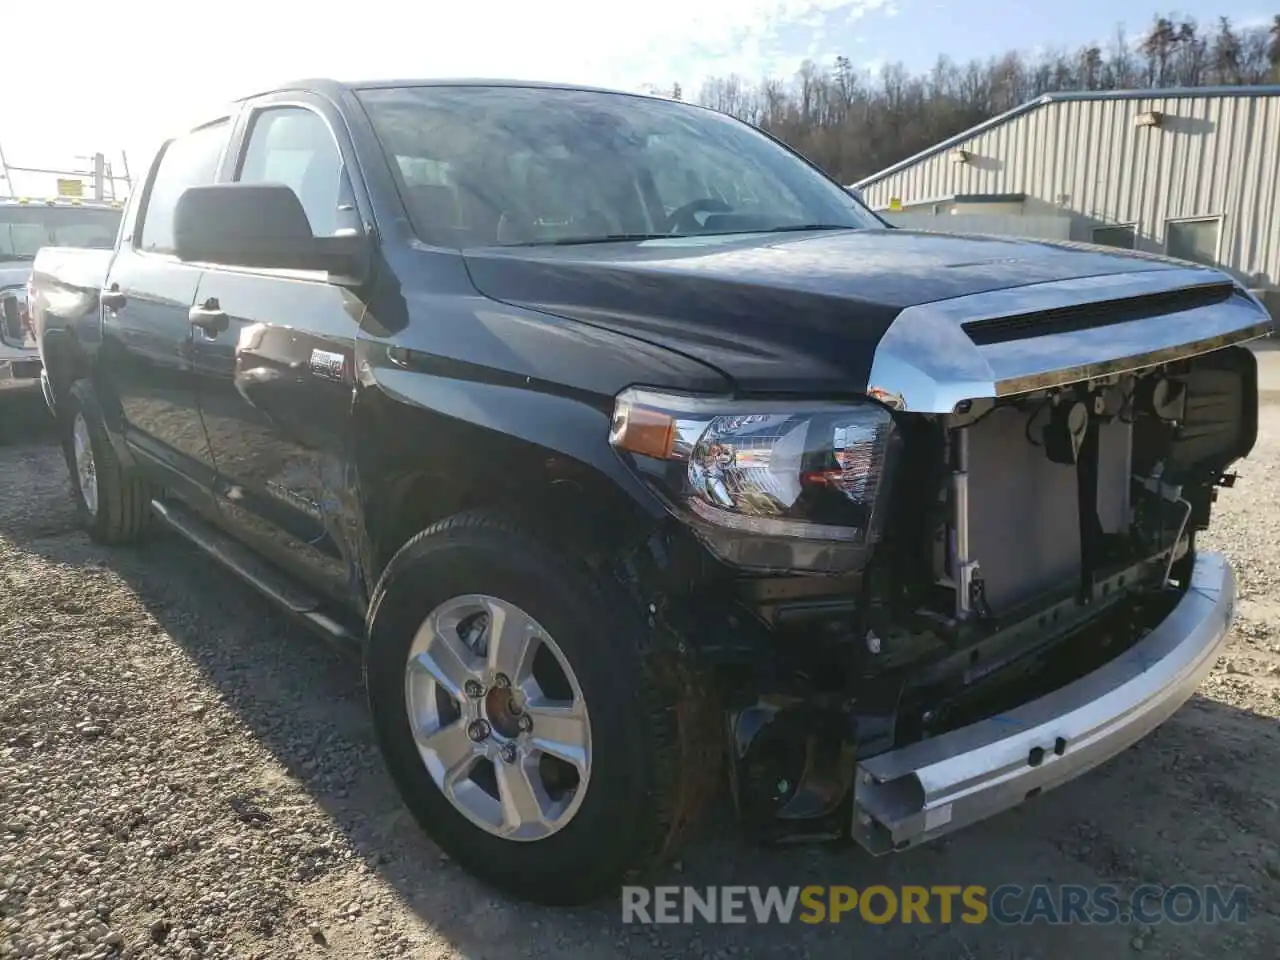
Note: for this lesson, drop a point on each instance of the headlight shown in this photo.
(769, 485)
(15, 323)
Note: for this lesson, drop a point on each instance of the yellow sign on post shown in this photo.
(70, 188)
(895, 204)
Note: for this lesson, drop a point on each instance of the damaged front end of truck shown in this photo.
(924, 605)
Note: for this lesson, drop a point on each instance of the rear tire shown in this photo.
(621, 823)
(113, 502)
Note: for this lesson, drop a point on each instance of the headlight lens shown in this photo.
(771, 485)
(15, 323)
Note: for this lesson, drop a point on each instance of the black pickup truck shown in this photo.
(634, 455)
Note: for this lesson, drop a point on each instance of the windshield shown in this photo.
(25, 229)
(485, 165)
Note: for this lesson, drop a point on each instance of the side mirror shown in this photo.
(258, 225)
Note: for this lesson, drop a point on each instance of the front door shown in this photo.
(146, 329)
(273, 356)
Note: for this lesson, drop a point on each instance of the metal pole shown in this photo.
(99, 176)
(60, 173)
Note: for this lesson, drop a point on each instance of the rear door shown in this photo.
(275, 371)
(146, 347)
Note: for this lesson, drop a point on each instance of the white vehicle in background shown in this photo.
(25, 227)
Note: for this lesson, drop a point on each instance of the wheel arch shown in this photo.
(65, 362)
(542, 459)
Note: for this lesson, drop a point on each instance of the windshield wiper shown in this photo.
(788, 228)
(798, 227)
(18, 257)
(602, 238)
(620, 237)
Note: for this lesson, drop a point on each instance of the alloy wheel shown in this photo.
(498, 717)
(86, 468)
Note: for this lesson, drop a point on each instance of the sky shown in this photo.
(121, 75)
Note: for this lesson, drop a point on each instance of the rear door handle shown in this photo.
(112, 299)
(209, 317)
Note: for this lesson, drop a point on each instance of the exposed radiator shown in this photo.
(1024, 530)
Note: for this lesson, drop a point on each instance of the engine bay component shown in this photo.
(968, 582)
(1065, 432)
(1161, 397)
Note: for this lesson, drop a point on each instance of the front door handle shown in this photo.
(209, 317)
(112, 299)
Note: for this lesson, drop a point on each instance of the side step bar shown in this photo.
(271, 583)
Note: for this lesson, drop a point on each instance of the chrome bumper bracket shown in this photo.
(920, 792)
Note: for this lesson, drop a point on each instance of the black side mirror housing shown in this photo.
(259, 225)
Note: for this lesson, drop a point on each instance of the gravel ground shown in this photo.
(183, 774)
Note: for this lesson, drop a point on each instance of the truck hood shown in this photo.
(782, 311)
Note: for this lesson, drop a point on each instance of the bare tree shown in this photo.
(1273, 49)
(1090, 68)
(1158, 47)
(1226, 54)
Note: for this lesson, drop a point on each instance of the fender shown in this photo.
(426, 446)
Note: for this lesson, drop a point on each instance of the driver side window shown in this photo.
(293, 146)
(678, 184)
(731, 182)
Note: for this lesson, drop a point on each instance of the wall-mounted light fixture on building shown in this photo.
(1152, 118)
(959, 156)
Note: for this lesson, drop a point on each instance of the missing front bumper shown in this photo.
(928, 789)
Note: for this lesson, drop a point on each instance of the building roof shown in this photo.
(1171, 93)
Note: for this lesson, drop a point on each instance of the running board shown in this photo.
(240, 560)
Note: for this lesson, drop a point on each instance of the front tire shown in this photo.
(514, 701)
(113, 502)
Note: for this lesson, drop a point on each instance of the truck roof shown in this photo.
(330, 86)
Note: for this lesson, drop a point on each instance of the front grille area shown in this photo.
(1092, 315)
(11, 319)
(1024, 528)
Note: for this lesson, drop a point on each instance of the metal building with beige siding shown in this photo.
(1193, 173)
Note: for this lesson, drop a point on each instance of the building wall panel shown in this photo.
(1213, 156)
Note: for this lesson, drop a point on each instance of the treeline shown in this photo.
(855, 123)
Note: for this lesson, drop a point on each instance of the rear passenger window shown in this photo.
(188, 161)
(293, 146)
